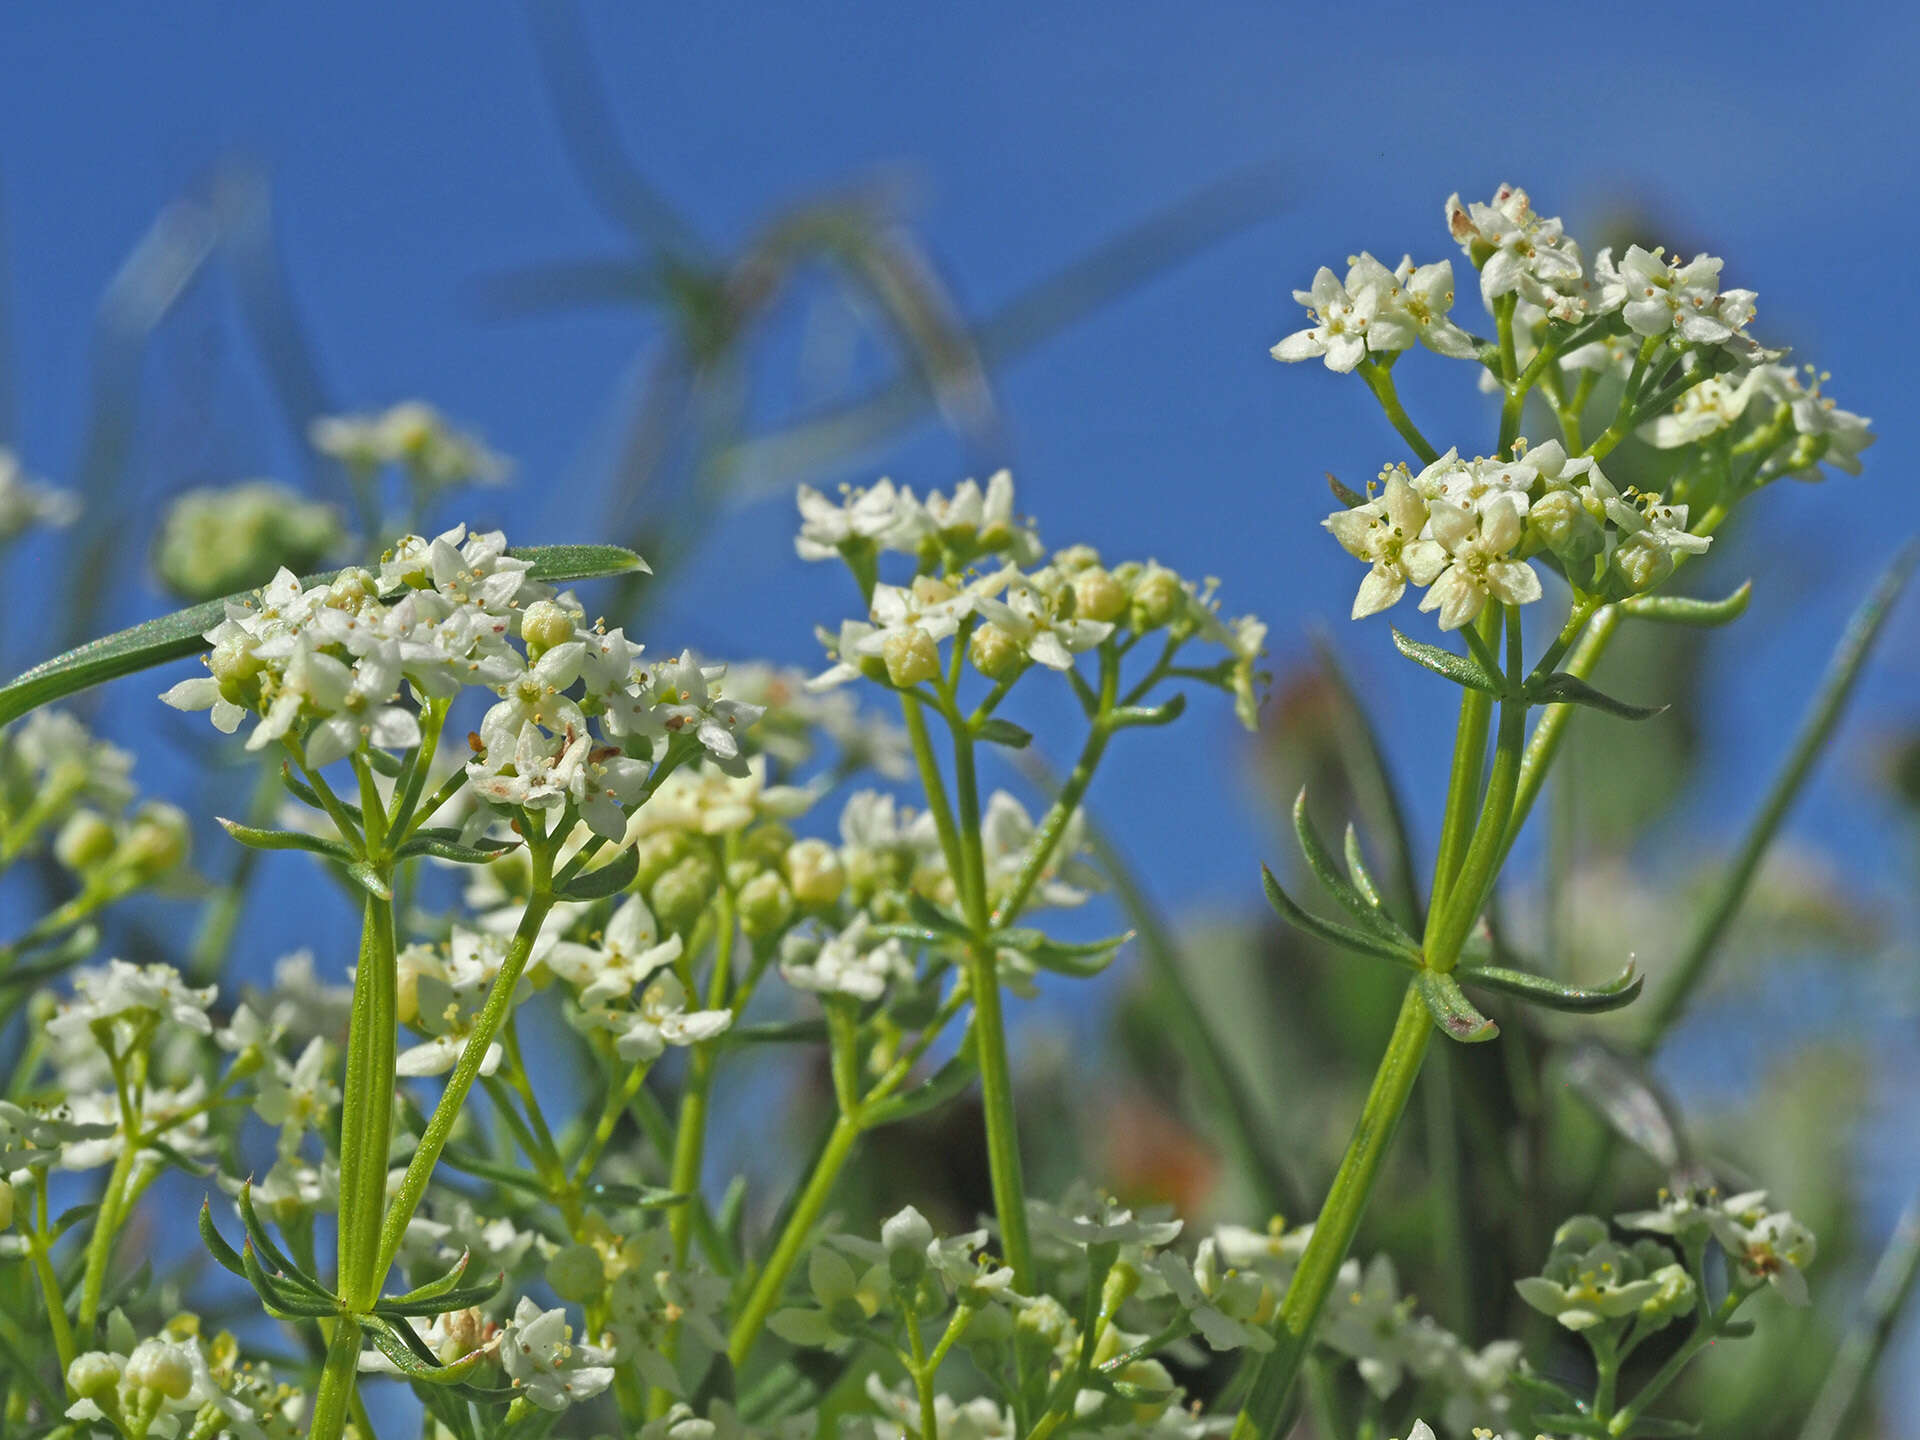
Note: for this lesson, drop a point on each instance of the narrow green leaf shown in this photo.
(1684, 610)
(277, 1300)
(176, 636)
(1327, 871)
(1345, 494)
(1539, 990)
(1165, 713)
(1822, 718)
(925, 913)
(1357, 868)
(1342, 936)
(258, 1235)
(451, 1300)
(1378, 792)
(609, 879)
(1461, 669)
(776, 1032)
(1452, 1011)
(224, 1255)
(996, 731)
(1083, 959)
(370, 880)
(441, 846)
(437, 1286)
(256, 838)
(1849, 1378)
(943, 1085)
(1625, 1093)
(1560, 688)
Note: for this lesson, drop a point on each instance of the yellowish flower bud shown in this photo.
(911, 657)
(995, 653)
(544, 625)
(814, 871)
(1098, 596)
(84, 841)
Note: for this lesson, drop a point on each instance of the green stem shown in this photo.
(930, 781)
(1623, 1420)
(996, 1099)
(366, 1108)
(50, 1290)
(335, 1396)
(1463, 783)
(446, 1114)
(807, 1209)
(1379, 378)
(1047, 839)
(1339, 1218)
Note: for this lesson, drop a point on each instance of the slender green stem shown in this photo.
(1339, 1218)
(366, 1108)
(1463, 783)
(1379, 378)
(996, 1099)
(1047, 839)
(339, 1375)
(50, 1291)
(446, 1114)
(922, 1370)
(1623, 1419)
(932, 783)
(618, 1094)
(807, 1209)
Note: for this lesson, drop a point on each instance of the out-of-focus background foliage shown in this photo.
(671, 260)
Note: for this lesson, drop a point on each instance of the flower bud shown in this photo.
(233, 663)
(544, 625)
(1076, 558)
(995, 653)
(656, 854)
(1640, 563)
(766, 905)
(84, 841)
(814, 871)
(157, 840)
(1565, 528)
(160, 1367)
(682, 893)
(765, 845)
(95, 1375)
(1156, 599)
(1675, 1299)
(1039, 1330)
(906, 1237)
(910, 656)
(577, 1273)
(1098, 596)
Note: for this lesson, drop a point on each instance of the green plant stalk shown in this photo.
(334, 1397)
(113, 1200)
(1463, 782)
(446, 1114)
(1710, 1327)
(1379, 378)
(366, 1107)
(1339, 1218)
(1888, 1292)
(996, 1100)
(807, 1209)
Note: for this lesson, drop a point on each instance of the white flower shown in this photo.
(545, 1365)
(849, 963)
(1026, 617)
(298, 1096)
(1479, 547)
(662, 1019)
(1340, 317)
(131, 996)
(24, 503)
(699, 800)
(628, 952)
(1007, 835)
(1389, 534)
(1826, 434)
(1096, 1219)
(1416, 308)
(1366, 1320)
(411, 433)
(442, 992)
(861, 515)
(1520, 251)
(1707, 409)
(1665, 295)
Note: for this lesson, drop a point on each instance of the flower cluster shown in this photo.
(1011, 617)
(217, 540)
(24, 503)
(411, 434)
(323, 666)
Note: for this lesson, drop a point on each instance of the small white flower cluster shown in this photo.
(544, 1363)
(1763, 1245)
(948, 530)
(324, 665)
(629, 956)
(412, 434)
(1464, 529)
(1812, 429)
(25, 503)
(1377, 311)
(165, 1387)
(218, 539)
(797, 716)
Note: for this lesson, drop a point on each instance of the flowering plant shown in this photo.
(621, 865)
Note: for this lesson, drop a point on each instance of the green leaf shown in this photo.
(1461, 669)
(176, 636)
(1683, 610)
(1357, 868)
(1377, 791)
(1627, 1095)
(1327, 871)
(1165, 713)
(277, 1300)
(1539, 990)
(1083, 959)
(1345, 494)
(257, 1235)
(451, 1300)
(444, 845)
(996, 731)
(435, 1287)
(224, 1255)
(256, 838)
(1452, 1011)
(1358, 941)
(776, 1032)
(943, 1085)
(1560, 688)
(370, 879)
(925, 913)
(609, 879)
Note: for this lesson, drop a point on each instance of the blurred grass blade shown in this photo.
(1631, 1101)
(841, 434)
(173, 637)
(1823, 717)
(591, 135)
(1887, 1295)
(567, 285)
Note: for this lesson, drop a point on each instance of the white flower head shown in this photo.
(545, 1364)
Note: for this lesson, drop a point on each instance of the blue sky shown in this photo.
(412, 150)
